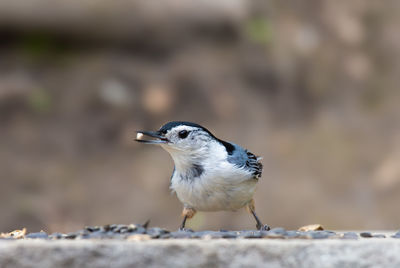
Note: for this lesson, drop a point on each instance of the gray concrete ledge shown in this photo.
(372, 252)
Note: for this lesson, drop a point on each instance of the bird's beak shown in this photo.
(160, 139)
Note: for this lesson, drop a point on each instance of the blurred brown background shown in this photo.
(312, 86)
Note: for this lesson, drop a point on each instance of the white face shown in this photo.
(186, 139)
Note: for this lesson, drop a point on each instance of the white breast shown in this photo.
(222, 186)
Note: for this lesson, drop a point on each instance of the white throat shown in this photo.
(207, 156)
(184, 160)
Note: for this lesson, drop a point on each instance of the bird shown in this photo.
(209, 174)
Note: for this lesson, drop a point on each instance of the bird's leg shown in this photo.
(251, 209)
(187, 213)
(183, 223)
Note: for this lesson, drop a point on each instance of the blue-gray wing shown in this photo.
(245, 159)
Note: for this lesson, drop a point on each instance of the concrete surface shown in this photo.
(372, 252)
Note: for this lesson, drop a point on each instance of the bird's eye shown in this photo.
(183, 134)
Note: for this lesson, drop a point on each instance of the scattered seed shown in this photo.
(139, 232)
(38, 235)
(349, 235)
(396, 235)
(379, 236)
(366, 234)
(312, 227)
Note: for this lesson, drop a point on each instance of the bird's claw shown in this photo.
(264, 227)
(185, 230)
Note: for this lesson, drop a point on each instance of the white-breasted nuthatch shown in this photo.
(209, 174)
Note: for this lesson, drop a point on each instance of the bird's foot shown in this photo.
(185, 230)
(264, 227)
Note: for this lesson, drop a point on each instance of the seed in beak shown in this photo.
(139, 136)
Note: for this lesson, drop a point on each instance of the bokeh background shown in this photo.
(312, 86)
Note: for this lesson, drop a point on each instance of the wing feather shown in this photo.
(247, 160)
